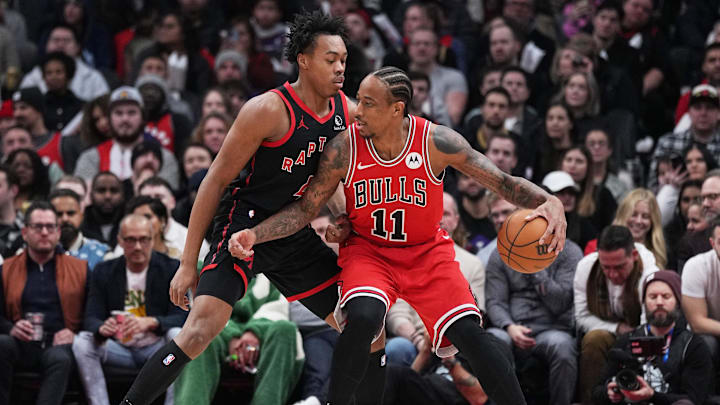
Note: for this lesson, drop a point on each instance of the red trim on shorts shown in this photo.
(307, 109)
(242, 274)
(364, 291)
(281, 141)
(315, 290)
(208, 267)
(224, 233)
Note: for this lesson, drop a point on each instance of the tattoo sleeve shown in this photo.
(463, 157)
(333, 166)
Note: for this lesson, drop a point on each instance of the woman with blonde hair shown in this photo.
(211, 131)
(639, 212)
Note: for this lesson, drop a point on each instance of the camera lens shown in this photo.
(627, 380)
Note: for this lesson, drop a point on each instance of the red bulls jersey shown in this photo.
(394, 202)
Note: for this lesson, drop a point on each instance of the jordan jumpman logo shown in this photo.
(302, 123)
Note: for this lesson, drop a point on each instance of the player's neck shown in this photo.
(390, 143)
(318, 103)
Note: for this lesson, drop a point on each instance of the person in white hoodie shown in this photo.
(607, 290)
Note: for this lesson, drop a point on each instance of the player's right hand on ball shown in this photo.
(241, 243)
(185, 278)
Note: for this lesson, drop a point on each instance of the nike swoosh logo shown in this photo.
(361, 166)
(446, 236)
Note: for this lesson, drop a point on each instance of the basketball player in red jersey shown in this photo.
(392, 165)
(279, 136)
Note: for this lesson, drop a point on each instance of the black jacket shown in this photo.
(109, 285)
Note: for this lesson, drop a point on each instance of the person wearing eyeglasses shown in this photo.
(41, 280)
(129, 315)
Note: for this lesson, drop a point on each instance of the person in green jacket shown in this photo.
(258, 339)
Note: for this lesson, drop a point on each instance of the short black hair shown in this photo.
(61, 57)
(508, 137)
(398, 83)
(417, 75)
(104, 173)
(10, 175)
(611, 5)
(307, 27)
(64, 192)
(156, 181)
(516, 69)
(156, 206)
(498, 90)
(65, 27)
(616, 237)
(145, 147)
(38, 205)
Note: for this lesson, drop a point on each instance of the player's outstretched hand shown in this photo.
(338, 232)
(552, 210)
(241, 243)
(186, 277)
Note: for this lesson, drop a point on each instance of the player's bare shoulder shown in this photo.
(266, 116)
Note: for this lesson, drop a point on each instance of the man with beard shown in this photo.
(70, 217)
(495, 110)
(682, 374)
(126, 127)
(102, 216)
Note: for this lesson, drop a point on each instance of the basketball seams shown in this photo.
(513, 254)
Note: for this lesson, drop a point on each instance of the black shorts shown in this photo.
(301, 266)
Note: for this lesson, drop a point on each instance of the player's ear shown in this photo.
(398, 108)
(302, 61)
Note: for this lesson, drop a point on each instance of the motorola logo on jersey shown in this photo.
(339, 125)
(289, 162)
(413, 160)
(389, 190)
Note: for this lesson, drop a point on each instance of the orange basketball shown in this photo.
(518, 246)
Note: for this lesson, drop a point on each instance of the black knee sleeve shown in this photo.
(160, 370)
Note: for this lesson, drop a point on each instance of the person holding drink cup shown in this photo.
(41, 307)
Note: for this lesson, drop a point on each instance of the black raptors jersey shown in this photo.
(280, 171)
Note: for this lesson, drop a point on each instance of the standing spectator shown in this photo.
(95, 125)
(138, 284)
(41, 279)
(448, 87)
(640, 213)
(102, 217)
(61, 104)
(11, 222)
(212, 130)
(87, 83)
(608, 290)
(32, 174)
(533, 315)
(258, 337)
(70, 217)
(126, 127)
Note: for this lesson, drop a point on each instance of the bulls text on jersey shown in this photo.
(289, 162)
(389, 190)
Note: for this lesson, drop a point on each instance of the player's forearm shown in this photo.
(206, 202)
(284, 223)
(521, 192)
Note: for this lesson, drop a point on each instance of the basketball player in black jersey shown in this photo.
(279, 136)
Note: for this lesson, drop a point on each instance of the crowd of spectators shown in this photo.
(113, 111)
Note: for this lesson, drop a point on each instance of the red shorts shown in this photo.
(426, 276)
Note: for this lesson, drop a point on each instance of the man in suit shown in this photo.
(128, 314)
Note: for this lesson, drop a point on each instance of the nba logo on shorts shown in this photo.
(169, 359)
(339, 126)
(383, 360)
(413, 160)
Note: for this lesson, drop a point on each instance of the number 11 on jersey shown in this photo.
(397, 218)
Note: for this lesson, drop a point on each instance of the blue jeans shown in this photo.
(400, 351)
(91, 356)
(318, 349)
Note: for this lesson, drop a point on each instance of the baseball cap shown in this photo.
(126, 94)
(558, 180)
(31, 96)
(704, 92)
(670, 278)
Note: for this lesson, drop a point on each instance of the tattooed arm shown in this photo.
(448, 148)
(331, 170)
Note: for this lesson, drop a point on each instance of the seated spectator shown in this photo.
(640, 213)
(136, 285)
(696, 221)
(533, 315)
(77, 185)
(522, 119)
(704, 114)
(539, 47)
(698, 161)
(605, 171)
(448, 87)
(683, 375)
(238, 93)
(61, 104)
(92, 34)
(33, 177)
(595, 203)
(579, 228)
(502, 150)
(41, 280)
(612, 48)
(421, 93)
(169, 128)
(473, 210)
(87, 83)
(558, 136)
(102, 217)
(146, 162)
(505, 46)
(95, 126)
(29, 109)
(405, 323)
(70, 218)
(581, 94)
(362, 34)
(258, 339)
(11, 221)
(230, 65)
(15, 137)
(240, 36)
(500, 209)
(126, 127)
(182, 211)
(693, 244)
(678, 213)
(270, 33)
(711, 71)
(154, 210)
(608, 295)
(212, 130)
(495, 110)
(216, 100)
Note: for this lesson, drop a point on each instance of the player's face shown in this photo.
(617, 264)
(375, 108)
(324, 64)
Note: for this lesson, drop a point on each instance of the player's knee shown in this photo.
(365, 313)
(197, 334)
